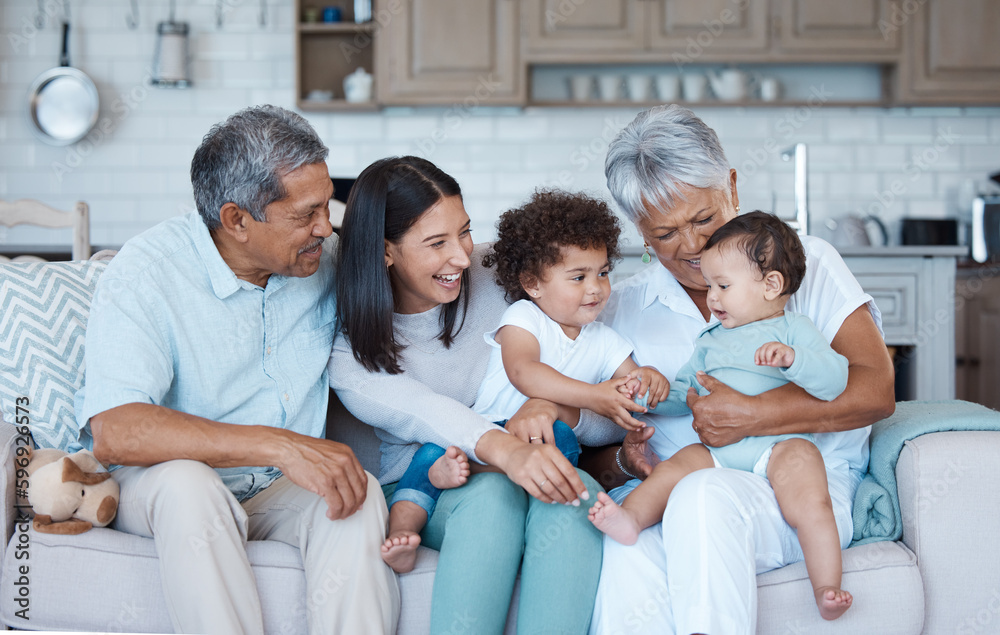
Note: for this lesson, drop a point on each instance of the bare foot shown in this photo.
(400, 550)
(614, 520)
(451, 470)
(832, 602)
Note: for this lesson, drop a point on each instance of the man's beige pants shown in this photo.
(200, 531)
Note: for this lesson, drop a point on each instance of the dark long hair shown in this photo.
(386, 200)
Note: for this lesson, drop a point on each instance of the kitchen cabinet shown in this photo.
(637, 31)
(846, 29)
(575, 31)
(977, 323)
(450, 52)
(326, 53)
(950, 54)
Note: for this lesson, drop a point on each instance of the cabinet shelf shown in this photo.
(336, 105)
(336, 27)
(594, 103)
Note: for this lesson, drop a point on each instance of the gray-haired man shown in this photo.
(206, 348)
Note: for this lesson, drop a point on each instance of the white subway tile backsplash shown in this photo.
(859, 128)
(881, 156)
(981, 157)
(907, 129)
(528, 127)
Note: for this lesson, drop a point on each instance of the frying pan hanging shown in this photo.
(63, 102)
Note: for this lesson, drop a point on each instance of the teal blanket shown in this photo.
(876, 504)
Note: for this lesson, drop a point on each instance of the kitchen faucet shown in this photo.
(801, 156)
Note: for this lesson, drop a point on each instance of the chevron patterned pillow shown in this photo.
(44, 308)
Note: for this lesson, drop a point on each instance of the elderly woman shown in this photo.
(413, 303)
(695, 572)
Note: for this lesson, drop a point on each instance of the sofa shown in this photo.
(941, 576)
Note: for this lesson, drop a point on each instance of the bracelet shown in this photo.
(618, 460)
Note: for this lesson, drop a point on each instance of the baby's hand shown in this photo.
(630, 388)
(612, 399)
(653, 381)
(774, 354)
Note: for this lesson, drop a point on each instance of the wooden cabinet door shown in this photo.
(708, 30)
(449, 51)
(583, 27)
(950, 52)
(846, 29)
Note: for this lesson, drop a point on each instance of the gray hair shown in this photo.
(663, 150)
(243, 159)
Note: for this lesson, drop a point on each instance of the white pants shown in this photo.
(721, 528)
(200, 531)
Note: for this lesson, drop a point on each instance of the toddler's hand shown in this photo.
(652, 383)
(609, 400)
(774, 354)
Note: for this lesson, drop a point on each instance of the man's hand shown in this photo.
(328, 469)
(774, 354)
(720, 417)
(636, 455)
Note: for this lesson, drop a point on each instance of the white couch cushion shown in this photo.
(45, 307)
(883, 578)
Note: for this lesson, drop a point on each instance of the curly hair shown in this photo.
(530, 237)
(769, 243)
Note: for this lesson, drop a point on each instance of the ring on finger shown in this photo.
(542, 484)
(533, 439)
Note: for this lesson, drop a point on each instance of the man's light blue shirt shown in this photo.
(172, 325)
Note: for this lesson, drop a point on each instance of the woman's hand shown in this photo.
(652, 380)
(722, 417)
(636, 455)
(607, 399)
(532, 423)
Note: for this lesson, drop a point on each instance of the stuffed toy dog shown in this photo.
(70, 493)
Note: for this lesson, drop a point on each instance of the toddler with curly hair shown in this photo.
(552, 257)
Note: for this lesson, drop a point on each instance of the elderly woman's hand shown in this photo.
(722, 417)
(636, 456)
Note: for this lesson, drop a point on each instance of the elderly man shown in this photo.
(207, 348)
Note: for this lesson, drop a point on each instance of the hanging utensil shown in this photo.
(170, 61)
(132, 19)
(63, 101)
(262, 15)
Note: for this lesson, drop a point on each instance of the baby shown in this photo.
(752, 265)
(552, 257)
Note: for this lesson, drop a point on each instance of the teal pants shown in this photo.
(490, 528)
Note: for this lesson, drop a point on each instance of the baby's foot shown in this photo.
(400, 550)
(614, 520)
(832, 602)
(451, 470)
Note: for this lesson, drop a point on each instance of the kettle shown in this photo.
(857, 231)
(730, 84)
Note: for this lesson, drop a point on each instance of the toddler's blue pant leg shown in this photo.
(566, 441)
(415, 486)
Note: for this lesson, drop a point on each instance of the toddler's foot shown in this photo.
(451, 470)
(614, 520)
(832, 602)
(400, 550)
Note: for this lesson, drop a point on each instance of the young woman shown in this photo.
(413, 304)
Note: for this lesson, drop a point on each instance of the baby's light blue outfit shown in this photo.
(728, 355)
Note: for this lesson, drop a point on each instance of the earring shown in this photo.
(646, 258)
(737, 209)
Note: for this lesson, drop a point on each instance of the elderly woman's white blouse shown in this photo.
(653, 312)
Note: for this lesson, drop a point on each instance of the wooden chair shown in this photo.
(32, 212)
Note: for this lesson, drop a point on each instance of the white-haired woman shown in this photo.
(695, 572)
